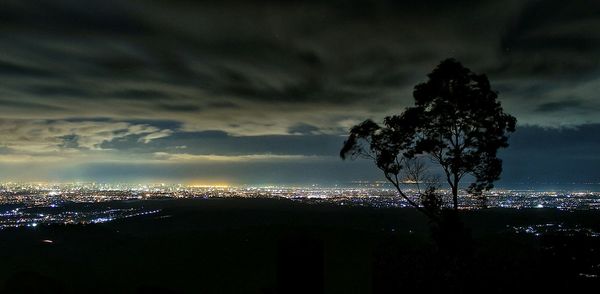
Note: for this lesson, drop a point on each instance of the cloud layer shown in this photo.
(107, 81)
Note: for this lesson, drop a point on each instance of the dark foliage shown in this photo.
(432, 201)
(463, 126)
(456, 121)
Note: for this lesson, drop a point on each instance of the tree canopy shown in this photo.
(456, 121)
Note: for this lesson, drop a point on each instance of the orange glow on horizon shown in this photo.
(204, 184)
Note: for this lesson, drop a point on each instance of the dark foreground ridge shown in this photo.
(280, 246)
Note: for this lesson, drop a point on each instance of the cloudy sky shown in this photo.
(262, 92)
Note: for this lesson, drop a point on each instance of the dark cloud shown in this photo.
(12, 69)
(10, 104)
(178, 107)
(303, 129)
(70, 16)
(353, 55)
(161, 124)
(560, 106)
(553, 38)
(139, 94)
(220, 143)
(57, 91)
(69, 141)
(222, 105)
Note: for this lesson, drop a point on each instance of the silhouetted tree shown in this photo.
(462, 126)
(456, 121)
(391, 147)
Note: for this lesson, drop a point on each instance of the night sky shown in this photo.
(263, 92)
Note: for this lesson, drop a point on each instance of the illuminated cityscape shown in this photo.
(40, 204)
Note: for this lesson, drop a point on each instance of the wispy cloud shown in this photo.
(186, 157)
(24, 136)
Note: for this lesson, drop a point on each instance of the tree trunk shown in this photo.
(455, 196)
(455, 191)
